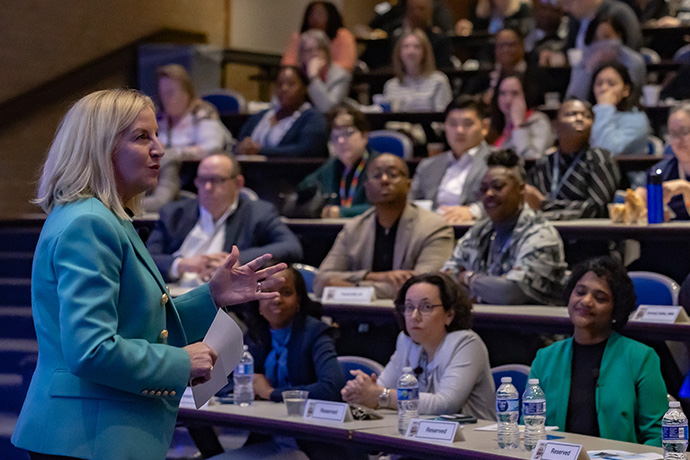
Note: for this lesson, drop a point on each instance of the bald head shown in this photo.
(218, 183)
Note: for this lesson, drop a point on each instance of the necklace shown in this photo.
(495, 258)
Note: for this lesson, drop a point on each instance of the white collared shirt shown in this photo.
(454, 179)
(270, 136)
(206, 237)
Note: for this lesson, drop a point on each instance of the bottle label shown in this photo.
(507, 405)
(534, 407)
(244, 369)
(405, 394)
(674, 433)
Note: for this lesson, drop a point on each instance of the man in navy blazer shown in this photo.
(193, 236)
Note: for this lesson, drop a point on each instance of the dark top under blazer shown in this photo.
(307, 137)
(312, 360)
(255, 228)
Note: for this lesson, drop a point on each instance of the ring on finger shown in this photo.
(258, 286)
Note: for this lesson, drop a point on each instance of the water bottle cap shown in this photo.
(506, 380)
(533, 381)
(407, 370)
(673, 404)
(246, 347)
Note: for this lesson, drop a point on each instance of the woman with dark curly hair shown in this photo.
(598, 382)
(449, 359)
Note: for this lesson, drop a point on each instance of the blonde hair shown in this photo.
(179, 74)
(321, 40)
(79, 162)
(428, 63)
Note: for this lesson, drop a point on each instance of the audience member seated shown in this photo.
(494, 15)
(451, 179)
(675, 169)
(449, 359)
(514, 122)
(194, 236)
(547, 38)
(292, 350)
(329, 84)
(336, 189)
(509, 56)
(291, 128)
(418, 14)
(390, 16)
(586, 14)
(188, 127)
(599, 383)
(607, 46)
(325, 16)
(577, 180)
(390, 242)
(514, 256)
(619, 126)
(417, 85)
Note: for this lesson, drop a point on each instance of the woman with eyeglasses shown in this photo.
(291, 128)
(449, 359)
(675, 168)
(340, 180)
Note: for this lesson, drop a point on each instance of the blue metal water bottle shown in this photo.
(655, 198)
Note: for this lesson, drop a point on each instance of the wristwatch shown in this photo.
(384, 398)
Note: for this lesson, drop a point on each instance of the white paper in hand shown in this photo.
(225, 337)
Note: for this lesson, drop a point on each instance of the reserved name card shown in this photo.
(550, 450)
(660, 314)
(326, 410)
(433, 430)
(362, 295)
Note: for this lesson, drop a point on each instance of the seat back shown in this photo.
(518, 372)
(226, 101)
(654, 288)
(366, 365)
(388, 141)
(308, 272)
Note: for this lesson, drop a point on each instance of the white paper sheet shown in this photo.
(494, 427)
(225, 337)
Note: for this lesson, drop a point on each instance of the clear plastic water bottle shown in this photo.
(243, 377)
(674, 432)
(533, 414)
(408, 399)
(507, 414)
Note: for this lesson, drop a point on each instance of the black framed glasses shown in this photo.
(423, 308)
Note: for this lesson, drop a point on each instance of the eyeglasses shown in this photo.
(342, 132)
(683, 132)
(424, 308)
(392, 174)
(201, 181)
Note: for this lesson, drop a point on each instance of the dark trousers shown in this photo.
(36, 456)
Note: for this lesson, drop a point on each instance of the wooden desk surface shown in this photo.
(380, 435)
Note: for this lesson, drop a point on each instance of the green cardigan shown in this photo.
(631, 393)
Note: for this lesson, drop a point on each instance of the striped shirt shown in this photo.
(587, 182)
(430, 93)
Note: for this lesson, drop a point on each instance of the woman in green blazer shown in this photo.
(115, 350)
(598, 382)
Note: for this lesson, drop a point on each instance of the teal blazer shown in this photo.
(111, 370)
(630, 395)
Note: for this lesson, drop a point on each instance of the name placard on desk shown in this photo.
(326, 410)
(662, 314)
(433, 430)
(550, 450)
(361, 295)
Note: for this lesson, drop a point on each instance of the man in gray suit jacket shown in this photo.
(451, 180)
(391, 241)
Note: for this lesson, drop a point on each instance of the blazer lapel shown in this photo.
(402, 237)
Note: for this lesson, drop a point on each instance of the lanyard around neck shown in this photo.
(558, 182)
(346, 197)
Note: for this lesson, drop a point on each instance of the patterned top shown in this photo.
(587, 183)
(532, 257)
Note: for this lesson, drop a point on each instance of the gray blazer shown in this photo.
(429, 174)
(423, 242)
